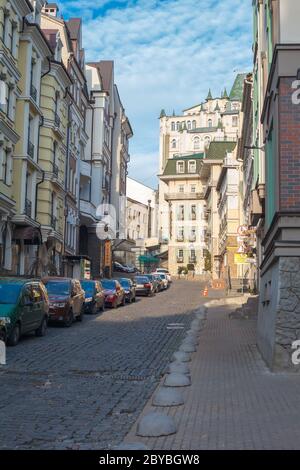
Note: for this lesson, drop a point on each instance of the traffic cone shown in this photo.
(205, 292)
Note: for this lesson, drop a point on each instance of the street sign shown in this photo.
(240, 258)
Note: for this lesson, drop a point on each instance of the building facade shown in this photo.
(277, 42)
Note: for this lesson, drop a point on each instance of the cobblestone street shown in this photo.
(84, 387)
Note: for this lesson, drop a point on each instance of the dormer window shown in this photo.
(180, 167)
(192, 166)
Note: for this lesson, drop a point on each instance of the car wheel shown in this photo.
(69, 320)
(14, 336)
(134, 299)
(42, 329)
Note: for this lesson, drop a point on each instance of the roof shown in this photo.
(203, 130)
(74, 25)
(236, 93)
(218, 150)
(192, 156)
(170, 168)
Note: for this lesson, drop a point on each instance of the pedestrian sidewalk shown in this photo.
(234, 402)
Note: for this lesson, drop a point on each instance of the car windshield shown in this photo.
(58, 287)
(107, 284)
(9, 293)
(88, 287)
(124, 282)
(141, 279)
(162, 276)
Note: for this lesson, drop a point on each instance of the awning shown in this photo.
(31, 235)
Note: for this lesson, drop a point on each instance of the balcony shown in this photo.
(57, 120)
(53, 222)
(30, 150)
(85, 168)
(192, 238)
(256, 208)
(192, 259)
(55, 170)
(87, 208)
(193, 216)
(180, 259)
(184, 196)
(28, 208)
(33, 92)
(180, 238)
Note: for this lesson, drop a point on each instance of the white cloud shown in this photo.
(167, 54)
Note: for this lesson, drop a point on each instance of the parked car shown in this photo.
(129, 289)
(94, 296)
(131, 268)
(164, 271)
(66, 298)
(160, 282)
(164, 281)
(114, 293)
(118, 267)
(24, 307)
(156, 283)
(143, 286)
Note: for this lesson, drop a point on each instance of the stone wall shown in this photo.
(279, 313)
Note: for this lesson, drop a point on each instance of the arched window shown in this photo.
(177, 125)
(194, 125)
(207, 141)
(173, 126)
(189, 125)
(174, 144)
(209, 123)
(196, 143)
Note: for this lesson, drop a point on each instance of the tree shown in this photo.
(207, 260)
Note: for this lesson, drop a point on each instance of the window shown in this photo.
(181, 212)
(209, 123)
(207, 141)
(234, 121)
(180, 234)
(193, 188)
(180, 167)
(189, 125)
(194, 125)
(6, 165)
(192, 166)
(174, 144)
(180, 255)
(193, 212)
(193, 234)
(196, 143)
(173, 126)
(181, 188)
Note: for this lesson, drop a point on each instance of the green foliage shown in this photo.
(207, 260)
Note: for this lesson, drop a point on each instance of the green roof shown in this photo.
(218, 150)
(170, 168)
(236, 93)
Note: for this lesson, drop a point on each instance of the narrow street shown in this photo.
(84, 387)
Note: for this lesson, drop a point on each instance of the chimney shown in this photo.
(51, 9)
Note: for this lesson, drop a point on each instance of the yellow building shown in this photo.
(11, 24)
(52, 158)
(34, 53)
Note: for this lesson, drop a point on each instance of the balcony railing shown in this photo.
(180, 238)
(53, 222)
(179, 259)
(192, 238)
(28, 207)
(183, 196)
(33, 92)
(30, 150)
(192, 259)
(55, 170)
(193, 216)
(57, 120)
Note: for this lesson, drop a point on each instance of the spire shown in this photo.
(225, 94)
(217, 108)
(162, 113)
(209, 96)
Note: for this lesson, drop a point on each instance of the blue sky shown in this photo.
(167, 54)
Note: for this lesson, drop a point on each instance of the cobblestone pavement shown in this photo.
(84, 387)
(234, 401)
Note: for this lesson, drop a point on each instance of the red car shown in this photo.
(114, 293)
